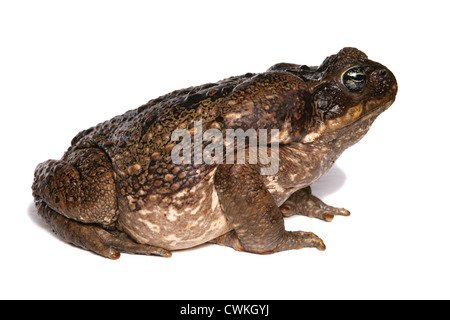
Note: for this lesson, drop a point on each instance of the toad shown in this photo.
(126, 185)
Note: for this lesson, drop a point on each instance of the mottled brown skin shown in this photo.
(116, 188)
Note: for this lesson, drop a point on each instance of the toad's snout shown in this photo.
(384, 80)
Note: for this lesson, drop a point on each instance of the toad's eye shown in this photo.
(354, 79)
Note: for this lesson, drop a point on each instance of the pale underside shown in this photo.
(184, 224)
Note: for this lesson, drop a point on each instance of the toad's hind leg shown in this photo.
(76, 197)
(108, 244)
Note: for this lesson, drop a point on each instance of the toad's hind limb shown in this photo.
(94, 238)
(76, 198)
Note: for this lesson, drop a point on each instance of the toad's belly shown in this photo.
(183, 220)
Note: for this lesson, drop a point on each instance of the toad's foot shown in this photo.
(289, 240)
(302, 202)
(91, 237)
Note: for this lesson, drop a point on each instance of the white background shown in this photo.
(68, 65)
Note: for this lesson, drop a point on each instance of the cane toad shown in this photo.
(118, 189)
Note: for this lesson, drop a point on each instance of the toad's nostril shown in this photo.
(383, 72)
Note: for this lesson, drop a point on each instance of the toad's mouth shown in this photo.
(377, 110)
(359, 113)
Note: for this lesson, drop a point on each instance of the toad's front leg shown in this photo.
(302, 202)
(251, 210)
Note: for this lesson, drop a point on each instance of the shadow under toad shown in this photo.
(329, 183)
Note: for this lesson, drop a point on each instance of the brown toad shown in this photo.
(118, 189)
